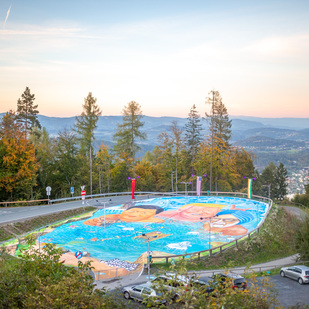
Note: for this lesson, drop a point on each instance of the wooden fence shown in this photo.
(23, 203)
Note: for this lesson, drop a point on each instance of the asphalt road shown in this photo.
(14, 214)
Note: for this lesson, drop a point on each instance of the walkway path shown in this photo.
(14, 214)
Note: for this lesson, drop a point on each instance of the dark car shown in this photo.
(203, 286)
(236, 281)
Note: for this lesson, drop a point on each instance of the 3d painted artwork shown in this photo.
(118, 236)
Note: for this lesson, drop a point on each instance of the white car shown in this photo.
(299, 273)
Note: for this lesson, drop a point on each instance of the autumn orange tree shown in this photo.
(104, 164)
(17, 157)
(225, 174)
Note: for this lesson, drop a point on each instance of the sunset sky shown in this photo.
(164, 54)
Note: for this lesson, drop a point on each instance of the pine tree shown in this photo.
(220, 131)
(219, 122)
(45, 154)
(86, 124)
(268, 181)
(67, 161)
(129, 131)
(84, 127)
(193, 134)
(27, 112)
(281, 184)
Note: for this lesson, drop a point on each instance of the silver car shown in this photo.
(176, 285)
(142, 293)
(299, 273)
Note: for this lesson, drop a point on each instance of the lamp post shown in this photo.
(209, 231)
(186, 183)
(172, 172)
(148, 255)
(104, 203)
(176, 175)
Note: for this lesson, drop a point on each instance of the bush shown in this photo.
(302, 240)
(39, 280)
(302, 199)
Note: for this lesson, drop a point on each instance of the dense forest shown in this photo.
(31, 160)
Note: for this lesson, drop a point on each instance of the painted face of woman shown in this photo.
(224, 221)
(197, 212)
(136, 214)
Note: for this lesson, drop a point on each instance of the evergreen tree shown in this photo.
(268, 182)
(281, 184)
(163, 161)
(193, 134)
(67, 161)
(45, 154)
(84, 127)
(27, 112)
(129, 131)
(220, 132)
(219, 123)
(86, 124)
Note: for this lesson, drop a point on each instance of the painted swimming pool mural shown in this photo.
(119, 235)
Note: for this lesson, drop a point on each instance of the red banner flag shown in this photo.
(133, 188)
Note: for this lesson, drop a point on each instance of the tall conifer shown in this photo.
(129, 131)
(26, 113)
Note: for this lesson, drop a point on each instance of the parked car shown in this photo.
(203, 285)
(299, 273)
(237, 281)
(178, 284)
(142, 293)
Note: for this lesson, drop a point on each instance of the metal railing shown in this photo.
(112, 194)
(178, 193)
(255, 269)
(114, 273)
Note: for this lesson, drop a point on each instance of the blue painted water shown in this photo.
(168, 231)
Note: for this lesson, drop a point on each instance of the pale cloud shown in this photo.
(282, 47)
(30, 30)
(7, 16)
(160, 63)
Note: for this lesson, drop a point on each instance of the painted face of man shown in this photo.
(224, 221)
(197, 212)
(136, 214)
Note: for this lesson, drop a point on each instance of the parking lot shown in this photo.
(290, 292)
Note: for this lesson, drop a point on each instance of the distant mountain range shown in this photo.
(253, 133)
